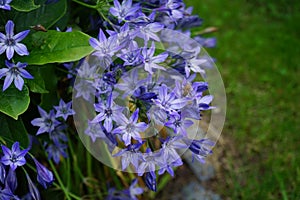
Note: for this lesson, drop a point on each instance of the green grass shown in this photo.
(258, 55)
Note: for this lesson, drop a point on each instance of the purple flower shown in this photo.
(178, 123)
(105, 48)
(2, 173)
(125, 10)
(4, 4)
(204, 102)
(46, 122)
(94, 131)
(85, 89)
(149, 161)
(107, 113)
(44, 176)
(6, 194)
(130, 155)
(200, 148)
(34, 192)
(14, 157)
(150, 180)
(150, 31)
(132, 55)
(192, 63)
(14, 72)
(167, 101)
(133, 191)
(169, 167)
(56, 150)
(130, 82)
(58, 135)
(10, 42)
(69, 29)
(11, 181)
(130, 128)
(64, 109)
(150, 61)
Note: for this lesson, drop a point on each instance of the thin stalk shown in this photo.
(85, 4)
(62, 187)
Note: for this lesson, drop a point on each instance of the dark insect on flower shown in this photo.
(39, 27)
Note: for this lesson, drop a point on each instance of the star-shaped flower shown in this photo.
(14, 72)
(10, 42)
(14, 157)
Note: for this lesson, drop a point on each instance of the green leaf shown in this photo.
(24, 5)
(37, 84)
(46, 15)
(54, 46)
(14, 102)
(51, 98)
(12, 131)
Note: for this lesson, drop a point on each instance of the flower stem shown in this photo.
(63, 188)
(85, 4)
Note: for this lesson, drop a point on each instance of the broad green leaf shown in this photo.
(14, 102)
(50, 99)
(54, 46)
(12, 131)
(24, 5)
(46, 15)
(37, 84)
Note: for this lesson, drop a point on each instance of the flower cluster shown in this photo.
(144, 81)
(54, 124)
(130, 66)
(10, 161)
(11, 43)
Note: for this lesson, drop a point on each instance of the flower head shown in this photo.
(10, 42)
(13, 157)
(4, 4)
(14, 72)
(46, 122)
(64, 109)
(130, 128)
(125, 10)
(44, 176)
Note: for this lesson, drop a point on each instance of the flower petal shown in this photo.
(20, 36)
(9, 28)
(21, 49)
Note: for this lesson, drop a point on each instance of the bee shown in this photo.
(39, 27)
(187, 89)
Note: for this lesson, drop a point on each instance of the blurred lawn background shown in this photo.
(258, 55)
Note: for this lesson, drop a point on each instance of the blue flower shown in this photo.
(167, 101)
(178, 123)
(107, 113)
(14, 72)
(34, 192)
(130, 128)
(4, 4)
(150, 61)
(130, 155)
(125, 10)
(56, 150)
(105, 48)
(133, 191)
(6, 194)
(150, 180)
(14, 157)
(44, 176)
(64, 109)
(46, 122)
(200, 148)
(10, 42)
(2, 173)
